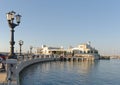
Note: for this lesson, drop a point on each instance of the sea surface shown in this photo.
(100, 72)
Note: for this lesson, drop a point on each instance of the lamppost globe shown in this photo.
(11, 16)
(20, 42)
(18, 17)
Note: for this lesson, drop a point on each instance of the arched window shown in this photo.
(96, 51)
(80, 51)
(88, 51)
(91, 51)
(84, 51)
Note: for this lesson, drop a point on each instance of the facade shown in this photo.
(84, 50)
(50, 50)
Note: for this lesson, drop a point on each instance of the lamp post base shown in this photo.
(11, 70)
(12, 56)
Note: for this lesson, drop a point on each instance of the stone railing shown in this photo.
(27, 60)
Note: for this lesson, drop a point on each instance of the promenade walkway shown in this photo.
(26, 60)
(2, 77)
(21, 64)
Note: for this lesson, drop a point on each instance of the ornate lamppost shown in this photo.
(20, 43)
(31, 47)
(12, 58)
(10, 17)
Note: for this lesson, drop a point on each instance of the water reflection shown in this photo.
(59, 73)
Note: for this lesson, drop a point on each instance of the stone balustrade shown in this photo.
(27, 60)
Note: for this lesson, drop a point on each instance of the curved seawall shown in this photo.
(25, 64)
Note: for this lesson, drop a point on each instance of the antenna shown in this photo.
(89, 43)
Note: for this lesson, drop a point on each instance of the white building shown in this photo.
(50, 50)
(85, 50)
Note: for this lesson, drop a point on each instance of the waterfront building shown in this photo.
(84, 50)
(50, 50)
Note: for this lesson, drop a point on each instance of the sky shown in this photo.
(63, 23)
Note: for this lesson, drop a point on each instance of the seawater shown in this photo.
(100, 72)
